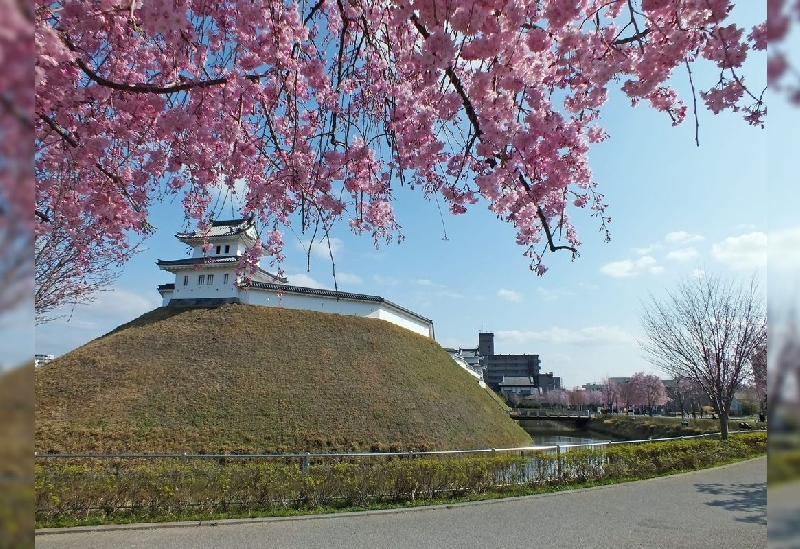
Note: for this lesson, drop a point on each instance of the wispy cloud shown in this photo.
(509, 295)
(683, 254)
(592, 335)
(426, 282)
(554, 294)
(744, 252)
(348, 278)
(630, 268)
(110, 309)
(648, 250)
(319, 248)
(682, 237)
(385, 280)
(302, 279)
(783, 248)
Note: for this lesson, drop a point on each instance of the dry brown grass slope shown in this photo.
(255, 379)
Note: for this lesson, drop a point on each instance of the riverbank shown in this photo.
(632, 427)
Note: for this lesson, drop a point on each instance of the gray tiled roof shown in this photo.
(517, 381)
(286, 288)
(191, 261)
(225, 261)
(230, 227)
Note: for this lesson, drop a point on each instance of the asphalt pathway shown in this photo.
(784, 516)
(720, 507)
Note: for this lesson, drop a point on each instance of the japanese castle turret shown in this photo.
(209, 278)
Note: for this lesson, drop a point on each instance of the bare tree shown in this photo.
(708, 331)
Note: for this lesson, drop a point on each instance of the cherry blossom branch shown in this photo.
(694, 105)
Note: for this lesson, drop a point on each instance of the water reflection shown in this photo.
(580, 437)
(548, 433)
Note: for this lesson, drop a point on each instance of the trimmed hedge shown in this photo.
(101, 491)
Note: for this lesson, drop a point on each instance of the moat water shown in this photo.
(548, 433)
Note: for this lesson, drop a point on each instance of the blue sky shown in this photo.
(675, 209)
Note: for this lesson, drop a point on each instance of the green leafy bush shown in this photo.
(96, 491)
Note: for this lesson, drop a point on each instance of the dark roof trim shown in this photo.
(215, 261)
(286, 288)
(191, 261)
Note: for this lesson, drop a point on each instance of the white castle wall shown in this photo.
(369, 309)
(194, 290)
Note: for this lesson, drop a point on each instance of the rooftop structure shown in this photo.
(210, 277)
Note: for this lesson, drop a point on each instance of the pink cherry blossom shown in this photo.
(323, 108)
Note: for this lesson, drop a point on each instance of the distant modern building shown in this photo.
(210, 277)
(549, 382)
(41, 360)
(505, 366)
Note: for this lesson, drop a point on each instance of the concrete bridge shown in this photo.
(578, 417)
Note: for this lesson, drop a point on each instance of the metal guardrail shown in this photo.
(343, 455)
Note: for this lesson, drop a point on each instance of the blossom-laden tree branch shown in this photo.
(322, 108)
(707, 330)
(16, 155)
(71, 264)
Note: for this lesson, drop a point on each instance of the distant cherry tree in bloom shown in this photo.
(323, 108)
(649, 391)
(611, 391)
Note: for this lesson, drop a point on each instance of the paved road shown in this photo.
(722, 507)
(784, 516)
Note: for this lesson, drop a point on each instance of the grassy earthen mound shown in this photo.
(249, 379)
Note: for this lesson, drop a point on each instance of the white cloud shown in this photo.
(386, 280)
(593, 335)
(348, 278)
(558, 358)
(509, 295)
(682, 237)
(698, 273)
(784, 248)
(227, 199)
(555, 294)
(110, 309)
(643, 251)
(302, 279)
(628, 268)
(744, 252)
(683, 254)
(319, 248)
(426, 282)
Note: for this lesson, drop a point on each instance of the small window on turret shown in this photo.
(218, 249)
(201, 279)
(210, 279)
(227, 248)
(225, 279)
(186, 280)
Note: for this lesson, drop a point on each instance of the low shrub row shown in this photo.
(783, 466)
(95, 491)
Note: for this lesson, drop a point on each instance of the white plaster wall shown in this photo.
(324, 304)
(237, 247)
(194, 290)
(405, 320)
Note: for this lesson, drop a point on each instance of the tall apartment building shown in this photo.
(500, 366)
